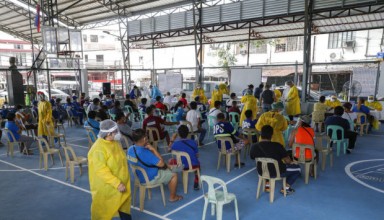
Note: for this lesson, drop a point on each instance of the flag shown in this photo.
(37, 18)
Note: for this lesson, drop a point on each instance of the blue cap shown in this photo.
(74, 97)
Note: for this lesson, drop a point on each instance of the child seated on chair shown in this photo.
(189, 146)
(224, 129)
(249, 123)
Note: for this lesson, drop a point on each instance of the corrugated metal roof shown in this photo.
(15, 20)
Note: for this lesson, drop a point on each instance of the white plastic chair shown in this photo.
(325, 151)
(217, 197)
(11, 144)
(71, 159)
(152, 132)
(227, 155)
(250, 133)
(306, 161)
(91, 136)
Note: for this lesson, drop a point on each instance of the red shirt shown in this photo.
(234, 109)
(160, 105)
(154, 121)
(184, 101)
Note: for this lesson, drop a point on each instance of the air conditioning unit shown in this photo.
(336, 56)
(349, 44)
(243, 52)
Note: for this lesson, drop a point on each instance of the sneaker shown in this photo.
(241, 164)
(196, 186)
(289, 191)
(267, 189)
(349, 151)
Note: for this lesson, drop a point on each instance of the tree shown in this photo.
(226, 59)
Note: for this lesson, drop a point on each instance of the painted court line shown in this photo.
(200, 197)
(367, 168)
(75, 139)
(77, 146)
(76, 187)
(36, 169)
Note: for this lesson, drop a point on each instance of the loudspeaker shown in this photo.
(15, 87)
(107, 88)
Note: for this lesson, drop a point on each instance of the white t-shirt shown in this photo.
(168, 100)
(193, 116)
(350, 116)
(214, 112)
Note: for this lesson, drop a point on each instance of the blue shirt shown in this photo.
(249, 123)
(179, 114)
(363, 109)
(224, 129)
(93, 124)
(142, 107)
(147, 157)
(11, 126)
(202, 109)
(189, 146)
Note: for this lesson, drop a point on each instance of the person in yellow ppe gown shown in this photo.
(223, 88)
(250, 103)
(372, 104)
(44, 110)
(276, 121)
(198, 91)
(292, 101)
(216, 96)
(334, 102)
(277, 93)
(109, 178)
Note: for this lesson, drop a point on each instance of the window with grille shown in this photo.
(18, 46)
(99, 58)
(335, 40)
(258, 47)
(289, 44)
(94, 38)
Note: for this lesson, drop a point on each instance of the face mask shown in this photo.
(370, 100)
(117, 137)
(333, 100)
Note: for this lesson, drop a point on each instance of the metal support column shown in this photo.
(307, 49)
(377, 80)
(198, 34)
(249, 42)
(124, 40)
(153, 74)
(48, 81)
(296, 78)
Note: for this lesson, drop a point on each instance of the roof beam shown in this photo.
(18, 34)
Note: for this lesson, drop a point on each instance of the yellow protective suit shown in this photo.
(201, 94)
(277, 95)
(293, 102)
(374, 105)
(216, 96)
(223, 89)
(107, 168)
(44, 110)
(321, 107)
(333, 104)
(250, 103)
(277, 122)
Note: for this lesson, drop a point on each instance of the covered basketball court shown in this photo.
(351, 189)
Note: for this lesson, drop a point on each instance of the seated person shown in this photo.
(94, 106)
(372, 104)
(91, 122)
(157, 122)
(249, 123)
(234, 108)
(143, 105)
(74, 111)
(201, 108)
(274, 150)
(130, 103)
(124, 128)
(16, 129)
(108, 101)
(158, 104)
(360, 107)
(189, 146)
(102, 114)
(215, 111)
(321, 106)
(153, 164)
(23, 119)
(168, 99)
(224, 129)
(195, 118)
(334, 102)
(336, 119)
(179, 111)
(116, 108)
(184, 100)
(349, 115)
(229, 102)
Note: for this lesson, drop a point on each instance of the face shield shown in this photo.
(370, 99)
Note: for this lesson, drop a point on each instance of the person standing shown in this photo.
(372, 104)
(276, 120)
(109, 178)
(258, 91)
(277, 92)
(250, 88)
(44, 110)
(267, 97)
(250, 103)
(292, 101)
(198, 91)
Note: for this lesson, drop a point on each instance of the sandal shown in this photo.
(178, 198)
